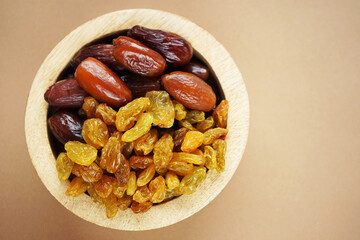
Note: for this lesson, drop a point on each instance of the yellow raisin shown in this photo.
(192, 140)
(91, 173)
(161, 108)
(157, 188)
(124, 202)
(215, 133)
(172, 180)
(111, 155)
(206, 124)
(89, 106)
(179, 136)
(64, 166)
(119, 189)
(106, 113)
(220, 114)
(123, 172)
(104, 186)
(185, 124)
(210, 157)
(141, 127)
(77, 187)
(197, 159)
(163, 151)
(146, 175)
(180, 168)
(195, 116)
(92, 193)
(131, 184)
(140, 162)
(80, 153)
(128, 149)
(180, 111)
(145, 144)
(111, 205)
(142, 194)
(140, 207)
(220, 148)
(191, 181)
(95, 132)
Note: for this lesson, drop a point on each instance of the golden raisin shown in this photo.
(111, 155)
(64, 166)
(142, 194)
(157, 188)
(180, 168)
(91, 173)
(104, 186)
(161, 108)
(220, 114)
(172, 180)
(210, 157)
(106, 113)
(95, 132)
(140, 162)
(92, 193)
(118, 188)
(145, 144)
(124, 202)
(80, 153)
(163, 151)
(220, 148)
(171, 193)
(128, 149)
(141, 127)
(146, 175)
(123, 172)
(77, 187)
(185, 124)
(190, 182)
(180, 112)
(131, 184)
(89, 106)
(179, 136)
(140, 207)
(111, 205)
(197, 159)
(206, 124)
(128, 114)
(215, 133)
(195, 116)
(192, 140)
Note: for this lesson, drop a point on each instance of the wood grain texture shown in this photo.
(180, 208)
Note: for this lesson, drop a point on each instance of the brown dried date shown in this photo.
(66, 93)
(189, 90)
(175, 49)
(197, 69)
(102, 83)
(140, 85)
(138, 58)
(66, 126)
(102, 52)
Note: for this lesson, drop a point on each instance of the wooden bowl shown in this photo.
(177, 209)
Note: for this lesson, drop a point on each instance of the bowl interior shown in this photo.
(226, 81)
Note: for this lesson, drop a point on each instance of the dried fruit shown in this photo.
(185, 124)
(95, 132)
(180, 168)
(197, 159)
(192, 140)
(123, 172)
(220, 148)
(163, 131)
(172, 180)
(140, 85)
(66, 126)
(210, 157)
(138, 58)
(81, 153)
(140, 162)
(140, 207)
(146, 175)
(215, 133)
(66, 93)
(180, 111)
(92, 193)
(119, 189)
(195, 116)
(197, 69)
(102, 52)
(163, 151)
(91, 173)
(89, 106)
(190, 182)
(171, 193)
(206, 124)
(220, 114)
(128, 149)
(131, 185)
(161, 170)
(77, 187)
(179, 136)
(104, 186)
(64, 166)
(145, 144)
(111, 205)
(189, 90)
(111, 156)
(175, 49)
(141, 127)
(142, 194)
(157, 188)
(124, 202)
(102, 83)
(161, 108)
(106, 113)
(128, 114)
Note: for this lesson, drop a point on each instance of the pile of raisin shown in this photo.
(137, 123)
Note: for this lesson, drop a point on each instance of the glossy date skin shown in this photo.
(138, 58)
(66, 126)
(102, 52)
(197, 69)
(102, 83)
(66, 93)
(189, 90)
(175, 49)
(140, 85)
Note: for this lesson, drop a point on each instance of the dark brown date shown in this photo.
(140, 85)
(102, 83)
(175, 49)
(138, 58)
(197, 69)
(66, 126)
(102, 52)
(66, 93)
(189, 90)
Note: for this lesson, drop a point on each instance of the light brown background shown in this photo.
(300, 175)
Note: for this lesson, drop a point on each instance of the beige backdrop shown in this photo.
(300, 175)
